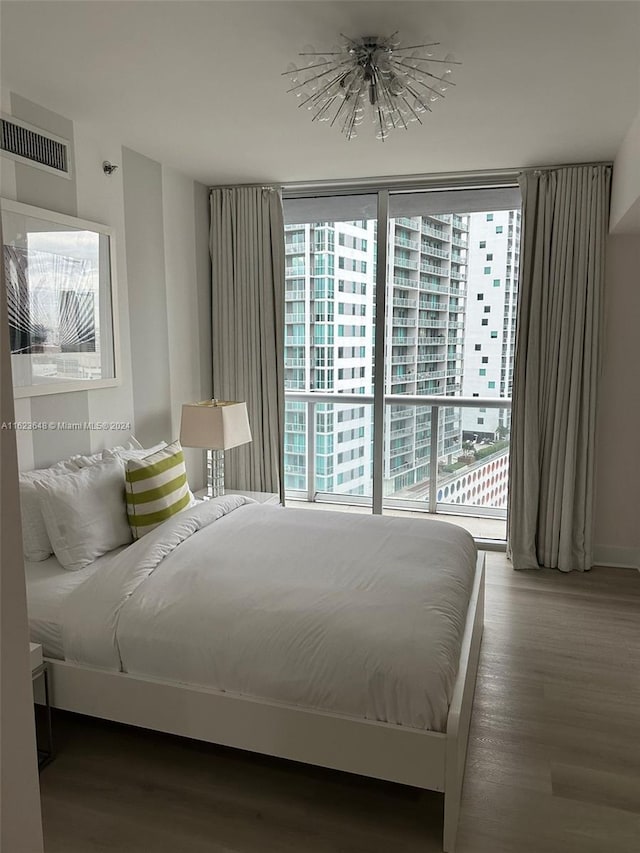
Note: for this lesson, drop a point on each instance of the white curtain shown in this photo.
(247, 257)
(565, 221)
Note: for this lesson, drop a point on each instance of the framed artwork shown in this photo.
(61, 297)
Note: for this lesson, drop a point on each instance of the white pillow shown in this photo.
(127, 453)
(131, 445)
(85, 513)
(35, 540)
(36, 545)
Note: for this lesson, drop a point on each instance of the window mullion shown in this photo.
(379, 355)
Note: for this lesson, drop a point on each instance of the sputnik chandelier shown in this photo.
(399, 84)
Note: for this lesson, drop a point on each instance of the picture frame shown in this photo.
(59, 283)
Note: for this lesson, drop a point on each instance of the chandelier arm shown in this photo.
(426, 85)
(324, 108)
(315, 77)
(350, 40)
(416, 95)
(420, 71)
(316, 95)
(418, 119)
(306, 68)
(430, 59)
(338, 111)
(351, 117)
(383, 132)
(393, 108)
(415, 46)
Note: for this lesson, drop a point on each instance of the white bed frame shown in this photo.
(424, 759)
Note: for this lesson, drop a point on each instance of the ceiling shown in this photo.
(198, 85)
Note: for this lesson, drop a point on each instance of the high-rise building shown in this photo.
(492, 291)
(329, 334)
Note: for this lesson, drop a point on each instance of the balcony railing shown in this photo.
(433, 269)
(468, 478)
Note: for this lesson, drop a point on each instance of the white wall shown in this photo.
(20, 820)
(616, 522)
(625, 185)
(162, 275)
(94, 196)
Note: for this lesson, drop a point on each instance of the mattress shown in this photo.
(360, 616)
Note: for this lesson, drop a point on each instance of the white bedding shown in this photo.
(48, 585)
(355, 615)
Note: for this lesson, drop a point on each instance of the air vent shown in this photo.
(32, 145)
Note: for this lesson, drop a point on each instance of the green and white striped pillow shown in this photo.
(157, 488)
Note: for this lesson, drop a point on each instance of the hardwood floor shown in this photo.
(553, 763)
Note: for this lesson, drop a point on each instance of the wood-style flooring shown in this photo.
(553, 763)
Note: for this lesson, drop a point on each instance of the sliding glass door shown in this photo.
(440, 308)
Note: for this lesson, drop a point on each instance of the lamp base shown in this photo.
(215, 473)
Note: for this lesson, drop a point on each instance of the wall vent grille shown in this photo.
(34, 146)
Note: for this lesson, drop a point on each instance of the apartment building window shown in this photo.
(432, 316)
(499, 229)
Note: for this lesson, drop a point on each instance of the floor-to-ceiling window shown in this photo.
(449, 276)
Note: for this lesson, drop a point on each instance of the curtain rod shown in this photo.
(443, 180)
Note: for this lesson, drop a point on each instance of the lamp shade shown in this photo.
(214, 424)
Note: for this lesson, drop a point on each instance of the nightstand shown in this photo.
(42, 709)
(260, 497)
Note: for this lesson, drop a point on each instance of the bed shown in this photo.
(349, 642)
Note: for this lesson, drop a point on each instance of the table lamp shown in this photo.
(216, 425)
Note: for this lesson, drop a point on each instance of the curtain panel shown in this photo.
(247, 259)
(565, 222)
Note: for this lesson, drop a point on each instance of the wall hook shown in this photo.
(108, 168)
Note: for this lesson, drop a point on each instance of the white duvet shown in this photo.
(355, 615)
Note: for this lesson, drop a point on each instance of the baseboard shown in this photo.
(616, 555)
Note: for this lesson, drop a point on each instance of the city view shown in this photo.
(451, 300)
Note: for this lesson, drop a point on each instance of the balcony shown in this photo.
(405, 243)
(432, 231)
(469, 479)
(433, 270)
(405, 263)
(426, 249)
(295, 248)
(402, 342)
(412, 222)
(401, 302)
(404, 281)
(431, 286)
(432, 340)
(426, 323)
(403, 321)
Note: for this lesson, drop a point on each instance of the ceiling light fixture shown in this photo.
(400, 84)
